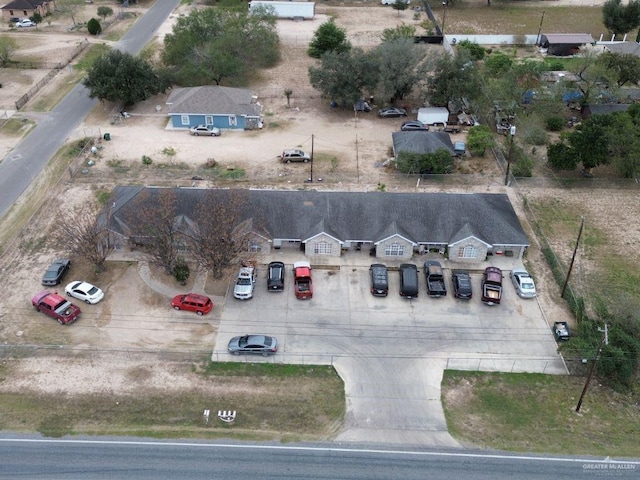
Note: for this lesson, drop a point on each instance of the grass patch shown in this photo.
(286, 402)
(16, 127)
(536, 413)
(90, 55)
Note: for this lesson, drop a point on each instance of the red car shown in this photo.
(56, 307)
(192, 302)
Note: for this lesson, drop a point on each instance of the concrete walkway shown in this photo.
(167, 290)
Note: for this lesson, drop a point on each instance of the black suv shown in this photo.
(379, 280)
(408, 280)
(275, 277)
(461, 284)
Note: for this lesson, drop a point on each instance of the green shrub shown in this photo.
(523, 167)
(181, 271)
(536, 136)
(93, 27)
(476, 52)
(146, 160)
(480, 139)
(554, 124)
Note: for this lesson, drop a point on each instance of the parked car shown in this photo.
(461, 284)
(56, 271)
(14, 19)
(275, 277)
(84, 291)
(391, 2)
(413, 125)
(295, 155)
(491, 286)
(434, 278)
(192, 302)
(561, 331)
(245, 283)
(379, 280)
(302, 283)
(205, 130)
(523, 283)
(408, 280)
(56, 307)
(261, 344)
(25, 22)
(392, 112)
(362, 106)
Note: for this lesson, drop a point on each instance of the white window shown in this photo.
(468, 252)
(394, 250)
(322, 248)
(254, 247)
(233, 120)
(184, 119)
(208, 120)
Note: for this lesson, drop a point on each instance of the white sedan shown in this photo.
(84, 291)
(523, 283)
(25, 22)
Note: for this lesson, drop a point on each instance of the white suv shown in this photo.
(243, 289)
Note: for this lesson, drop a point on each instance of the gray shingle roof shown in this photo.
(568, 38)
(23, 4)
(364, 216)
(632, 48)
(212, 100)
(421, 142)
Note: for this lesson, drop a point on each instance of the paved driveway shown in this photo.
(391, 352)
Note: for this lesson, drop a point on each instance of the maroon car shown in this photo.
(56, 306)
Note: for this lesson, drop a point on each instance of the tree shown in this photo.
(624, 66)
(156, 228)
(222, 236)
(93, 27)
(328, 38)
(396, 66)
(105, 12)
(399, 6)
(436, 163)
(560, 156)
(498, 64)
(479, 139)
(70, 8)
(343, 76)
(36, 18)
(624, 143)
(85, 233)
(121, 77)
(590, 141)
(620, 19)
(8, 46)
(450, 78)
(221, 45)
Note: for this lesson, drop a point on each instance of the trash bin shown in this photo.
(107, 136)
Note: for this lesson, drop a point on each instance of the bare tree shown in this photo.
(70, 8)
(86, 234)
(155, 226)
(224, 233)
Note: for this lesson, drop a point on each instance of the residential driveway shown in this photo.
(391, 352)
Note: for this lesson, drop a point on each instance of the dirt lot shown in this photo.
(137, 318)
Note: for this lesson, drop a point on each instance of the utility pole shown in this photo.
(444, 17)
(575, 250)
(512, 133)
(605, 340)
(311, 173)
(357, 161)
(540, 29)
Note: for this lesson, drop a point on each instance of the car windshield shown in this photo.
(244, 281)
(92, 290)
(527, 285)
(51, 274)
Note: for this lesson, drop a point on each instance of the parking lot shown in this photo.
(391, 351)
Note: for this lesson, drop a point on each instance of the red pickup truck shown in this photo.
(302, 284)
(56, 306)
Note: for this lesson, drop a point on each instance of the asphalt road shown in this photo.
(26, 161)
(133, 459)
